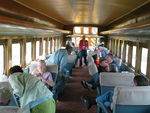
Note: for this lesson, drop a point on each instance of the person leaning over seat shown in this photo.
(60, 58)
(34, 96)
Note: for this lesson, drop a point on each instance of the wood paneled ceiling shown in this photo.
(60, 13)
(95, 12)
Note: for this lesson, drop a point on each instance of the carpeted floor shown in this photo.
(70, 101)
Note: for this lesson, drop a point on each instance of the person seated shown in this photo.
(102, 50)
(107, 98)
(45, 77)
(5, 96)
(113, 60)
(96, 61)
(103, 65)
(94, 83)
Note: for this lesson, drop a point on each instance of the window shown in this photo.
(144, 60)
(53, 48)
(77, 40)
(127, 47)
(110, 44)
(37, 49)
(44, 45)
(122, 45)
(92, 42)
(56, 43)
(15, 54)
(49, 45)
(28, 53)
(77, 30)
(1, 59)
(94, 30)
(86, 30)
(133, 56)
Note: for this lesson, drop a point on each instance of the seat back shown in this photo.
(7, 85)
(90, 53)
(131, 99)
(72, 58)
(92, 68)
(9, 109)
(33, 67)
(109, 80)
(71, 62)
(53, 68)
(90, 59)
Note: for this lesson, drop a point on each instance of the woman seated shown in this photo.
(45, 77)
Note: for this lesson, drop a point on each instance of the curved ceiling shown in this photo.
(95, 12)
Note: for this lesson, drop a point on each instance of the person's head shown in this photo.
(101, 45)
(104, 63)
(113, 68)
(73, 44)
(100, 49)
(41, 66)
(69, 49)
(15, 69)
(83, 37)
(140, 80)
(5, 96)
(109, 58)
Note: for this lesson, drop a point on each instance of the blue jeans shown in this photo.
(83, 53)
(95, 80)
(106, 98)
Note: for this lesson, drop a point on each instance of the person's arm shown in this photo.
(50, 83)
(87, 44)
(48, 79)
(63, 62)
(80, 45)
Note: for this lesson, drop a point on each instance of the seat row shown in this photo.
(126, 98)
(57, 89)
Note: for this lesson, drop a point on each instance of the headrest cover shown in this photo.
(116, 79)
(9, 109)
(3, 78)
(33, 67)
(51, 67)
(138, 95)
(92, 68)
(90, 59)
(91, 53)
(71, 58)
(6, 85)
(5, 93)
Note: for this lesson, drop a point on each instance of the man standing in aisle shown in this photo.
(83, 46)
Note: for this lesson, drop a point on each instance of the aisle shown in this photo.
(70, 101)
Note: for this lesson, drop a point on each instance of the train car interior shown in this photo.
(90, 55)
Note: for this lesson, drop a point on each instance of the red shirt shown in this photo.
(82, 44)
